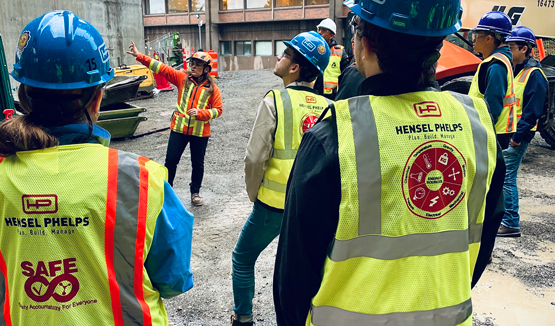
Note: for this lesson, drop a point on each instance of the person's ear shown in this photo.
(294, 68)
(367, 50)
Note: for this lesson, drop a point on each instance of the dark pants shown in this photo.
(176, 146)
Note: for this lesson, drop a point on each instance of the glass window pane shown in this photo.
(177, 6)
(317, 2)
(288, 3)
(280, 47)
(263, 48)
(231, 4)
(156, 7)
(225, 48)
(243, 48)
(259, 4)
(197, 5)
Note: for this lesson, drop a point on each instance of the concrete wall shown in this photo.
(118, 21)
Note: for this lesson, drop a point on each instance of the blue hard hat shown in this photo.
(313, 47)
(61, 51)
(522, 34)
(422, 18)
(496, 22)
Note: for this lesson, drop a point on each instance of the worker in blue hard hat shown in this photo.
(113, 236)
(392, 203)
(530, 85)
(493, 80)
(283, 116)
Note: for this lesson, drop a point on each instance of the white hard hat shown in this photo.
(327, 23)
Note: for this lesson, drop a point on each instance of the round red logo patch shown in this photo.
(309, 120)
(433, 179)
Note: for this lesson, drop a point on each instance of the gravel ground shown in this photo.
(517, 289)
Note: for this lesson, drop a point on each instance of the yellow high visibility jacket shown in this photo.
(296, 112)
(520, 84)
(333, 70)
(415, 170)
(74, 255)
(506, 123)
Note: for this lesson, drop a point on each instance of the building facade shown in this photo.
(246, 34)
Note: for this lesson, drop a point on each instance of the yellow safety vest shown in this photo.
(520, 84)
(72, 251)
(506, 122)
(296, 112)
(333, 70)
(415, 170)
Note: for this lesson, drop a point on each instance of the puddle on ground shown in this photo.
(508, 301)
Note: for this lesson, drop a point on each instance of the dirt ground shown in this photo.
(518, 288)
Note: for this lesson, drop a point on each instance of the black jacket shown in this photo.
(312, 212)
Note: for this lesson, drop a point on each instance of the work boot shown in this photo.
(508, 232)
(196, 199)
(235, 322)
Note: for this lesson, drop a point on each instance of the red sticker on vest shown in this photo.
(433, 179)
(308, 121)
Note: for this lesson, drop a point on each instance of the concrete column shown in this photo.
(212, 31)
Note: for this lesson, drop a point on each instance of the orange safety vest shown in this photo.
(74, 240)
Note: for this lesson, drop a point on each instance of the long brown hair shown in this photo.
(44, 109)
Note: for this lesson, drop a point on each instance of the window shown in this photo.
(263, 48)
(317, 2)
(280, 47)
(156, 7)
(178, 6)
(259, 4)
(197, 5)
(231, 4)
(225, 48)
(288, 3)
(243, 48)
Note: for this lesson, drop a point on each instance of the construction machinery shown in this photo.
(457, 64)
(146, 87)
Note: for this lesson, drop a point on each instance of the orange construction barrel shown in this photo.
(162, 83)
(214, 55)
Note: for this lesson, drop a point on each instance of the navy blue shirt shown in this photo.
(533, 101)
(492, 82)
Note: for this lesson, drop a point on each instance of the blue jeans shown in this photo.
(513, 157)
(262, 226)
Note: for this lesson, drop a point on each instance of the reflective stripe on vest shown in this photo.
(380, 237)
(455, 315)
(333, 70)
(296, 111)
(506, 122)
(520, 85)
(126, 215)
(181, 121)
